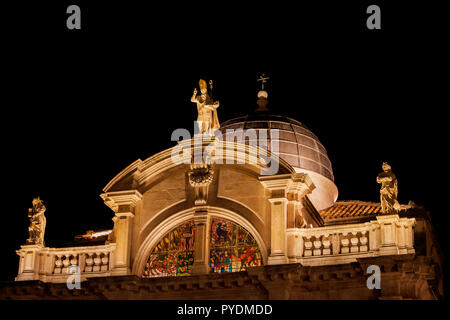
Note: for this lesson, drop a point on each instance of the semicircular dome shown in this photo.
(297, 144)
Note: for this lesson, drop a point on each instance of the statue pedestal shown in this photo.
(389, 237)
(29, 262)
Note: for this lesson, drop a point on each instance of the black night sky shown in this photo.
(78, 109)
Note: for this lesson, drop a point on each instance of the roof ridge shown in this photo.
(348, 202)
(355, 208)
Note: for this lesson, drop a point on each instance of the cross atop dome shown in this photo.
(263, 80)
(262, 95)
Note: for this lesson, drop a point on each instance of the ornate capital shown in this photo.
(300, 185)
(294, 185)
(122, 202)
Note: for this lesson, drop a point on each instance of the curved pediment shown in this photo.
(139, 173)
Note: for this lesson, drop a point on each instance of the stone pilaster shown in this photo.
(123, 203)
(396, 235)
(278, 250)
(388, 234)
(299, 186)
(200, 177)
(286, 193)
(201, 244)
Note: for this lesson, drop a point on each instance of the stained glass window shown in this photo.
(173, 255)
(232, 248)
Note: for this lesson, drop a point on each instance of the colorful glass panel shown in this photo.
(173, 256)
(232, 248)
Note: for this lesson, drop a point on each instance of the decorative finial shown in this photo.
(263, 80)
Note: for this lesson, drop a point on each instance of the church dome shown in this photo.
(298, 146)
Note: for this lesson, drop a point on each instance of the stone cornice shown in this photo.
(133, 168)
(297, 183)
(274, 183)
(119, 199)
(405, 276)
(143, 170)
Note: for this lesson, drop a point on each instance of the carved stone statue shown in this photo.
(207, 119)
(37, 222)
(389, 190)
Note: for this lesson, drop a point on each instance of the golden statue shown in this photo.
(37, 222)
(207, 119)
(389, 190)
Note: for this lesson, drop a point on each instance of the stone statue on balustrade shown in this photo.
(389, 190)
(207, 119)
(37, 222)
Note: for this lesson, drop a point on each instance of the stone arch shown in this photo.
(179, 218)
(137, 174)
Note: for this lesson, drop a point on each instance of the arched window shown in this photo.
(232, 249)
(173, 256)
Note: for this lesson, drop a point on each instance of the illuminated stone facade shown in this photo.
(225, 231)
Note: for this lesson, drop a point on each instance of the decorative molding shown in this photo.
(200, 177)
(135, 167)
(280, 185)
(404, 277)
(117, 199)
(230, 152)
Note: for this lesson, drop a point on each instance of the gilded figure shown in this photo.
(207, 119)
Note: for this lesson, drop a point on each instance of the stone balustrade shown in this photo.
(387, 235)
(56, 264)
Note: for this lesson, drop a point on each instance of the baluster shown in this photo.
(308, 247)
(317, 247)
(363, 241)
(89, 262)
(58, 264)
(354, 241)
(66, 263)
(97, 262)
(326, 245)
(73, 259)
(105, 261)
(344, 244)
